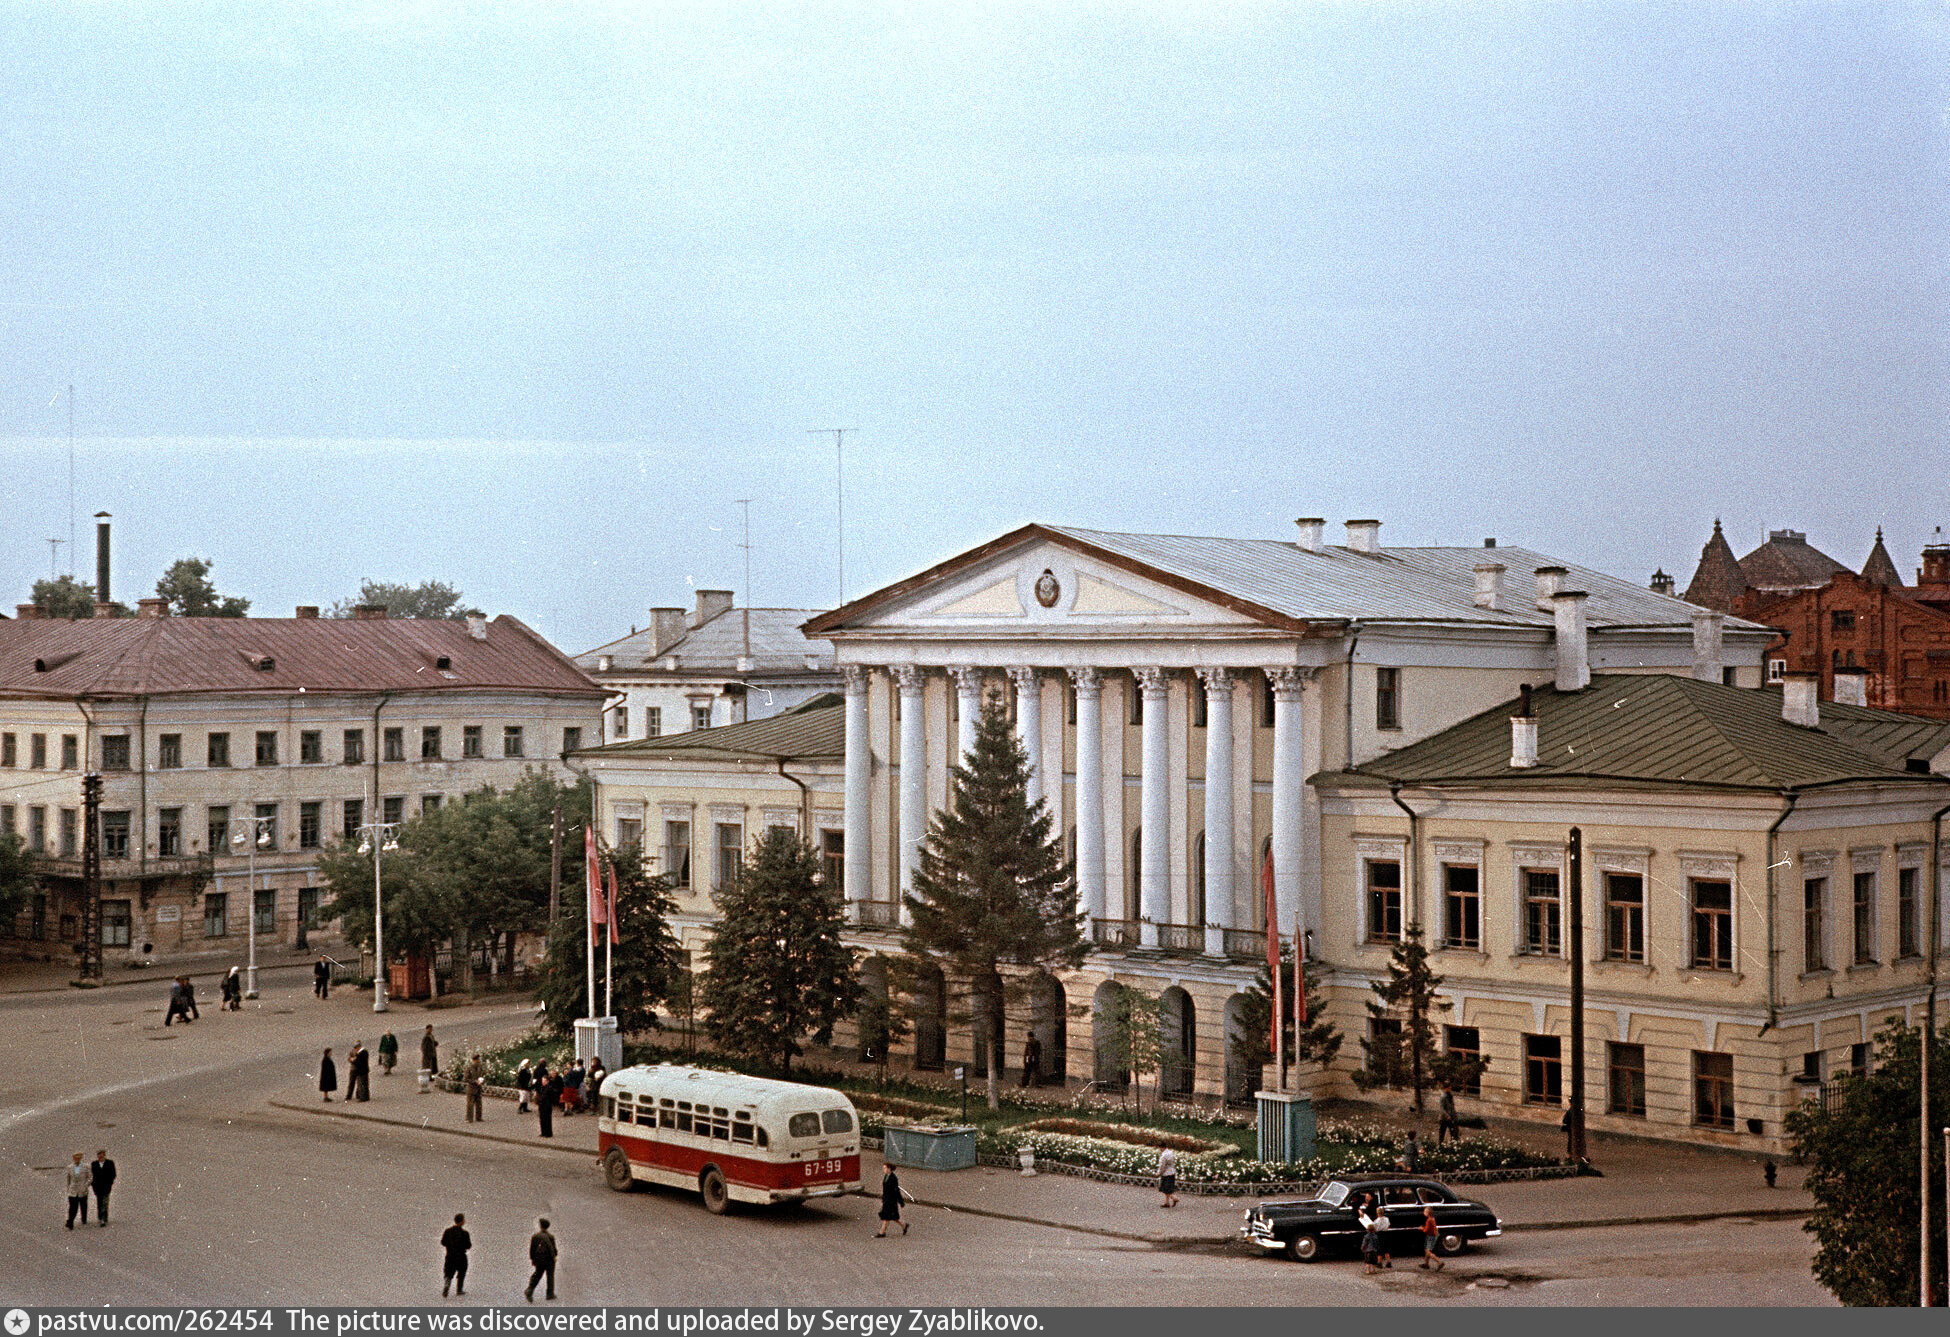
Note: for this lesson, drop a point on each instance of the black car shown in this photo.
(1305, 1227)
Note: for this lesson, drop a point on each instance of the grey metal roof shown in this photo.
(815, 731)
(777, 645)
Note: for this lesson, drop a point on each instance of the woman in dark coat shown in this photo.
(892, 1195)
(328, 1075)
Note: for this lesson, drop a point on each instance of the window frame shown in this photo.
(1543, 1070)
(1452, 1036)
(1711, 926)
(1455, 899)
(1862, 916)
(118, 923)
(265, 748)
(169, 833)
(216, 914)
(1624, 917)
(311, 819)
(1706, 1084)
(653, 721)
(70, 752)
(1540, 920)
(115, 752)
(216, 828)
(216, 750)
(352, 816)
(727, 855)
(392, 743)
(1630, 1101)
(311, 747)
(471, 747)
(1814, 922)
(352, 747)
(1909, 912)
(1375, 899)
(513, 742)
(430, 742)
(117, 825)
(1387, 698)
(676, 867)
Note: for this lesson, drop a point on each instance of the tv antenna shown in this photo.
(839, 493)
(746, 502)
(54, 557)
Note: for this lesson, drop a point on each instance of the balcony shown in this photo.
(877, 914)
(1245, 944)
(1114, 932)
(1181, 938)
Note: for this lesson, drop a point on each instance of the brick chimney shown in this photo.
(369, 613)
(1573, 644)
(476, 627)
(152, 608)
(1550, 579)
(710, 604)
(1310, 527)
(102, 608)
(1800, 702)
(1489, 586)
(667, 627)
(307, 612)
(1364, 535)
(1707, 654)
(30, 612)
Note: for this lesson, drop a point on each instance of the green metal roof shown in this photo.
(815, 731)
(1664, 731)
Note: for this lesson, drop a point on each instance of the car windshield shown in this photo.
(1334, 1194)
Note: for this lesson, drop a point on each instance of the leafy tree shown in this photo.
(16, 876)
(647, 962)
(1319, 1039)
(777, 968)
(64, 597)
(1133, 1034)
(1406, 1054)
(186, 585)
(992, 888)
(1862, 1171)
(430, 599)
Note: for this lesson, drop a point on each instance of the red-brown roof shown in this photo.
(1719, 580)
(101, 657)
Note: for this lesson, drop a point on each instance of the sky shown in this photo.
(526, 298)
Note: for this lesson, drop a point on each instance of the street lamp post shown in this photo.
(252, 833)
(376, 839)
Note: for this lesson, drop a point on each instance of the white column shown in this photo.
(859, 792)
(1289, 790)
(968, 704)
(1029, 725)
(1154, 843)
(914, 774)
(1218, 808)
(1090, 792)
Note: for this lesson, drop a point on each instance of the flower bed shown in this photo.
(1116, 1132)
(911, 1109)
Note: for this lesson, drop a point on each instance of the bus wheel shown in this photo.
(716, 1196)
(616, 1170)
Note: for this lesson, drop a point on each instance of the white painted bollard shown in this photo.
(1026, 1157)
(426, 1081)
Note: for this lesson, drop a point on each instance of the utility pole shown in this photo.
(555, 865)
(839, 492)
(746, 502)
(1577, 1148)
(71, 473)
(91, 877)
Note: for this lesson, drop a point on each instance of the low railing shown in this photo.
(1115, 932)
(1245, 944)
(878, 914)
(1180, 938)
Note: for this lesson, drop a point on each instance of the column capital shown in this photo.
(856, 677)
(1089, 682)
(907, 677)
(1024, 676)
(1288, 680)
(968, 679)
(1215, 679)
(1152, 680)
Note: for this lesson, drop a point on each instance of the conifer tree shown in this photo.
(993, 889)
(1319, 1039)
(777, 968)
(1405, 1053)
(646, 962)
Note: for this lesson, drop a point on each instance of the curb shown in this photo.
(535, 1144)
(1677, 1219)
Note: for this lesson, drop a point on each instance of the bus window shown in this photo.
(764, 1138)
(609, 1108)
(683, 1116)
(802, 1125)
(646, 1113)
(741, 1131)
(666, 1113)
(838, 1121)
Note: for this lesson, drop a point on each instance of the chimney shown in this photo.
(1489, 586)
(101, 556)
(667, 627)
(1489, 543)
(604, 663)
(369, 613)
(306, 612)
(101, 608)
(1523, 733)
(710, 603)
(1573, 648)
(1851, 687)
(1550, 579)
(1662, 583)
(1310, 527)
(1706, 644)
(1799, 703)
(477, 626)
(1364, 535)
(29, 612)
(152, 608)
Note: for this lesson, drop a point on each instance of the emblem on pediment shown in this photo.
(1048, 589)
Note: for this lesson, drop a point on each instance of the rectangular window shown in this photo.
(116, 922)
(392, 809)
(1543, 1070)
(264, 910)
(1387, 698)
(619, 724)
(115, 834)
(1865, 919)
(394, 741)
(7, 819)
(470, 742)
(1858, 1060)
(1543, 911)
(37, 832)
(1462, 910)
(430, 743)
(1811, 1066)
(354, 746)
(355, 817)
(511, 741)
(1814, 923)
(217, 750)
(1908, 940)
(267, 826)
(308, 907)
(1468, 1042)
(311, 747)
(1712, 924)
(70, 752)
(216, 914)
(653, 727)
(308, 825)
(169, 832)
(700, 717)
(169, 752)
(429, 804)
(37, 752)
(571, 739)
(1841, 619)
(677, 854)
(216, 830)
(629, 832)
(1626, 1093)
(1712, 1090)
(1624, 917)
(115, 752)
(731, 854)
(1729, 676)
(832, 858)
(1776, 672)
(70, 833)
(267, 747)
(10, 750)
(1384, 900)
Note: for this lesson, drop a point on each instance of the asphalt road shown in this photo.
(222, 1199)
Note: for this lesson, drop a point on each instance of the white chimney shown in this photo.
(1573, 646)
(1799, 700)
(1489, 586)
(1364, 535)
(1310, 527)
(477, 627)
(1852, 686)
(604, 663)
(1523, 734)
(1550, 580)
(1707, 625)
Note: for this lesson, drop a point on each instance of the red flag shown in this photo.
(1273, 953)
(614, 936)
(592, 868)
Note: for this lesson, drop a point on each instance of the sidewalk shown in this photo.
(18, 977)
(1644, 1182)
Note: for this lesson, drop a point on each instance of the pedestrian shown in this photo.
(78, 1181)
(1412, 1154)
(101, 1178)
(456, 1241)
(546, 1095)
(358, 1069)
(592, 1085)
(230, 993)
(1446, 1123)
(476, 1086)
(1375, 1221)
(1769, 1171)
(1430, 1232)
(189, 998)
(321, 979)
(178, 1005)
(1370, 1238)
(541, 1252)
(571, 1096)
(892, 1195)
(1032, 1061)
(1168, 1177)
(429, 1053)
(524, 1082)
(328, 1076)
(388, 1053)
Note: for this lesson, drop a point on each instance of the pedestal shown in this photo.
(1286, 1127)
(597, 1037)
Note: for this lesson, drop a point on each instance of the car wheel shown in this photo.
(1303, 1248)
(716, 1196)
(616, 1170)
(1449, 1245)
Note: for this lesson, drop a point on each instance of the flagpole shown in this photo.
(609, 947)
(591, 889)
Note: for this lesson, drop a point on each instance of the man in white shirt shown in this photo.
(78, 1184)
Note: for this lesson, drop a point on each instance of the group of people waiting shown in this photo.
(358, 1066)
(571, 1090)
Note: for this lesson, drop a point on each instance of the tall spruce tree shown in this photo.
(1319, 1039)
(1402, 1051)
(778, 969)
(646, 962)
(993, 889)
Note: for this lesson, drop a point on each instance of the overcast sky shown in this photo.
(523, 299)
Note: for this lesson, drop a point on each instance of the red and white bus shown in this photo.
(728, 1136)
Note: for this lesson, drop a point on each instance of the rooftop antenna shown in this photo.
(839, 492)
(746, 502)
(70, 477)
(54, 557)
